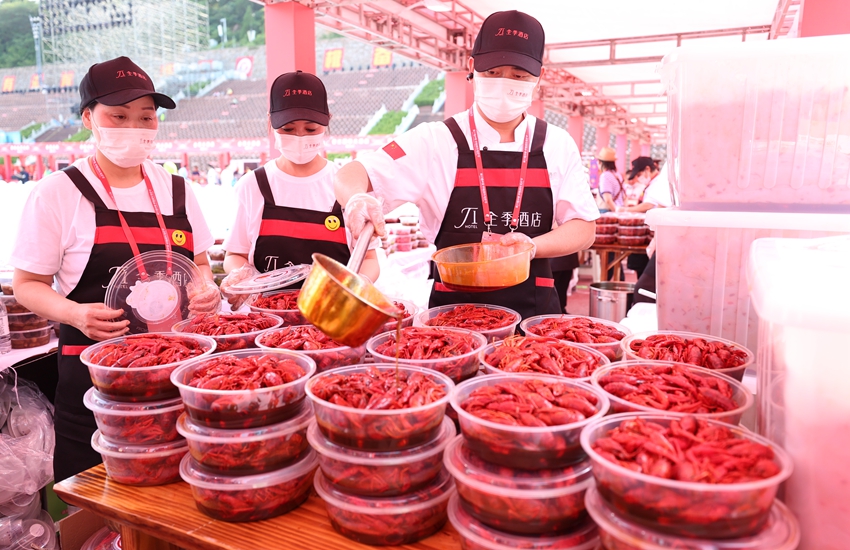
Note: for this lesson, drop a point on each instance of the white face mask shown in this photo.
(502, 99)
(125, 147)
(299, 149)
(643, 179)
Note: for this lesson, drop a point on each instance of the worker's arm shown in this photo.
(572, 236)
(370, 267)
(232, 261)
(609, 202)
(350, 180)
(642, 207)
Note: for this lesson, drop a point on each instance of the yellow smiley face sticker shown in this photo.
(332, 223)
(178, 237)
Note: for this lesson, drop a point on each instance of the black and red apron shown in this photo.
(519, 196)
(289, 234)
(74, 423)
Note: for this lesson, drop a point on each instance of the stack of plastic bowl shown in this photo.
(639, 511)
(248, 454)
(136, 407)
(381, 470)
(507, 327)
(410, 311)
(326, 358)
(520, 486)
(289, 317)
(559, 327)
(38, 533)
(233, 341)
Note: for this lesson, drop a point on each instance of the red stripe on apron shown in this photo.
(302, 230)
(544, 281)
(503, 177)
(110, 234)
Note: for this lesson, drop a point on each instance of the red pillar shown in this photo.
(575, 127)
(7, 167)
(51, 162)
(39, 167)
(645, 149)
(72, 159)
(634, 149)
(458, 93)
(823, 17)
(290, 43)
(603, 136)
(621, 153)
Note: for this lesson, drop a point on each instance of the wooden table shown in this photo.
(620, 252)
(165, 518)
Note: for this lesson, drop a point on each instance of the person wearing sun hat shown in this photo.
(81, 224)
(611, 187)
(286, 209)
(493, 172)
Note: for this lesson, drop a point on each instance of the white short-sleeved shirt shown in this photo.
(57, 229)
(658, 190)
(314, 192)
(423, 170)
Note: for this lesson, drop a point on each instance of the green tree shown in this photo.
(17, 48)
(242, 16)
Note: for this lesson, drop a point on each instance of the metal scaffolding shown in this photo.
(151, 32)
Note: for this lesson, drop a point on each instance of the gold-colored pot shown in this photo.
(344, 306)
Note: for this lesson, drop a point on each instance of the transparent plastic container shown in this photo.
(781, 532)
(776, 112)
(238, 498)
(477, 536)
(633, 241)
(288, 316)
(587, 359)
(247, 451)
(26, 321)
(13, 305)
(388, 521)
(608, 218)
(235, 409)
(37, 533)
(507, 328)
(326, 359)
(21, 506)
(481, 267)
(134, 423)
(742, 397)
(233, 342)
(705, 290)
(524, 447)
(381, 429)
(140, 465)
(104, 539)
(612, 350)
(457, 367)
(138, 383)
(631, 219)
(605, 239)
(803, 375)
(381, 474)
(682, 508)
(736, 372)
(607, 229)
(630, 230)
(410, 310)
(542, 502)
(26, 339)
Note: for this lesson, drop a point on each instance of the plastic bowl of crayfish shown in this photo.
(250, 451)
(781, 532)
(238, 498)
(651, 386)
(231, 331)
(281, 303)
(524, 502)
(477, 536)
(451, 351)
(539, 355)
(410, 311)
(138, 367)
(599, 334)
(687, 476)
(711, 352)
(380, 407)
(493, 322)
(377, 473)
(244, 389)
(140, 465)
(388, 521)
(529, 422)
(134, 423)
(313, 343)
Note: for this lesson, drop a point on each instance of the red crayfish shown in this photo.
(544, 356)
(327, 353)
(701, 352)
(250, 457)
(281, 301)
(582, 330)
(215, 324)
(692, 450)
(675, 388)
(144, 429)
(384, 480)
(473, 317)
(144, 472)
(436, 347)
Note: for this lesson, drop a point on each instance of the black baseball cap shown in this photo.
(118, 82)
(509, 38)
(298, 96)
(640, 164)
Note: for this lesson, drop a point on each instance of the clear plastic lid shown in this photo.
(95, 401)
(122, 450)
(156, 304)
(438, 491)
(469, 469)
(194, 474)
(381, 458)
(272, 280)
(104, 539)
(782, 531)
(197, 432)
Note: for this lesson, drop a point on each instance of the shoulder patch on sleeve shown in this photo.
(393, 150)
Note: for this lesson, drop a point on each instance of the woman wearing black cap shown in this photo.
(491, 170)
(81, 224)
(287, 210)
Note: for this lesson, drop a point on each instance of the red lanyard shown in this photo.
(129, 234)
(485, 202)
